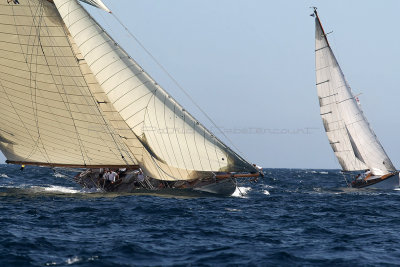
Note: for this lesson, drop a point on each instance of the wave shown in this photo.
(61, 189)
(40, 189)
(241, 191)
(59, 175)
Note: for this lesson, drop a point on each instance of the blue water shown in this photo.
(292, 217)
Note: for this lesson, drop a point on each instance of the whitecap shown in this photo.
(241, 191)
(323, 172)
(73, 260)
(59, 175)
(4, 175)
(61, 189)
(230, 209)
(265, 192)
(268, 186)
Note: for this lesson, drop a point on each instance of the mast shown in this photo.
(352, 140)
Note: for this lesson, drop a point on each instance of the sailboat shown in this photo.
(71, 97)
(353, 141)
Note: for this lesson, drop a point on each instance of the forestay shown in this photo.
(351, 138)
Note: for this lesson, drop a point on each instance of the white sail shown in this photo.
(48, 113)
(353, 141)
(98, 4)
(80, 99)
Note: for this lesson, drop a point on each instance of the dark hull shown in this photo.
(390, 181)
(129, 184)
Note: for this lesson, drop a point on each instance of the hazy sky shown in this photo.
(250, 65)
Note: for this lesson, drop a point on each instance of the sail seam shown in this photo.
(107, 126)
(316, 50)
(185, 92)
(322, 82)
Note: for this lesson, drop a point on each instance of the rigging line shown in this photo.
(335, 90)
(345, 179)
(235, 181)
(68, 108)
(34, 148)
(39, 12)
(111, 133)
(177, 140)
(175, 81)
(19, 42)
(66, 95)
(169, 135)
(99, 113)
(162, 141)
(147, 114)
(29, 66)
(26, 128)
(161, 169)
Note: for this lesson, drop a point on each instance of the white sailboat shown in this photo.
(354, 143)
(72, 97)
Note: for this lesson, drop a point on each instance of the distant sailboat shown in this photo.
(350, 136)
(72, 97)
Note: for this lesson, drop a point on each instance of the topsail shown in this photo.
(353, 141)
(98, 4)
(72, 96)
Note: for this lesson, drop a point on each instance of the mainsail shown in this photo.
(72, 96)
(353, 141)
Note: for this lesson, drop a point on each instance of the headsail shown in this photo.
(104, 107)
(353, 141)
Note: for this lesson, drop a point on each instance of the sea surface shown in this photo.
(292, 217)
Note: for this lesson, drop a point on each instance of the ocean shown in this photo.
(295, 217)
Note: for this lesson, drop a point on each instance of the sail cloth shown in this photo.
(174, 141)
(98, 4)
(70, 95)
(353, 141)
(48, 114)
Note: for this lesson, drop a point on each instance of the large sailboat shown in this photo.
(354, 143)
(71, 97)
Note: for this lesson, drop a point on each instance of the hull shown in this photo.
(389, 181)
(129, 183)
(224, 187)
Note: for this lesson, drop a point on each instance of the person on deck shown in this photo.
(140, 176)
(106, 175)
(113, 176)
(366, 174)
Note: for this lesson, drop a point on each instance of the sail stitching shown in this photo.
(35, 146)
(157, 105)
(178, 85)
(30, 65)
(20, 97)
(328, 68)
(112, 134)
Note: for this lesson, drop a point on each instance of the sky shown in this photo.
(249, 64)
